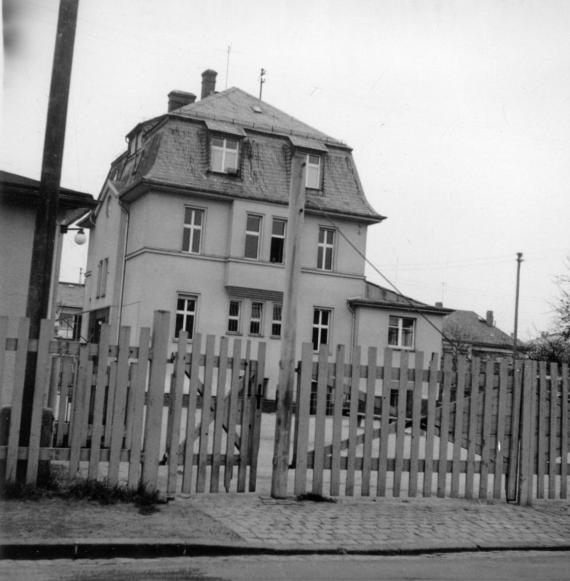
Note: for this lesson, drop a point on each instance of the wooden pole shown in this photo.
(47, 203)
(285, 386)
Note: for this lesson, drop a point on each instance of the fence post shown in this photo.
(160, 332)
(525, 488)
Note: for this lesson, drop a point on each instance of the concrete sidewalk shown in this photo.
(223, 524)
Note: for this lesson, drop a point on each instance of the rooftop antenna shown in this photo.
(261, 81)
(228, 64)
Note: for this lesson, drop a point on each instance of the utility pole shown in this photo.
(261, 81)
(515, 334)
(47, 203)
(285, 386)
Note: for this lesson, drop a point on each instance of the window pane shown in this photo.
(276, 251)
(180, 305)
(328, 259)
(231, 144)
(186, 239)
(251, 246)
(179, 324)
(312, 177)
(196, 241)
(253, 223)
(329, 236)
(217, 141)
(216, 159)
(231, 160)
(233, 326)
(279, 227)
(198, 217)
(234, 308)
(188, 215)
(392, 336)
(315, 339)
(190, 325)
(325, 317)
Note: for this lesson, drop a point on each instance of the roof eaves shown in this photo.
(393, 306)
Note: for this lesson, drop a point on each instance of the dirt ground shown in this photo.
(75, 519)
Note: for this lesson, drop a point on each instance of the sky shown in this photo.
(458, 113)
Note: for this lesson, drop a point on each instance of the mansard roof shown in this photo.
(175, 155)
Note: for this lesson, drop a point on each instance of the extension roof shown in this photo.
(474, 329)
(174, 155)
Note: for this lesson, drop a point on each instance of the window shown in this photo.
(102, 270)
(401, 332)
(135, 142)
(224, 155)
(276, 322)
(313, 172)
(252, 236)
(325, 249)
(255, 320)
(233, 317)
(277, 250)
(321, 327)
(192, 235)
(185, 315)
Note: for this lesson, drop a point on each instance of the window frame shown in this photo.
(192, 227)
(310, 182)
(184, 312)
(323, 247)
(102, 273)
(256, 320)
(319, 327)
(276, 321)
(236, 318)
(275, 237)
(223, 148)
(399, 327)
(252, 233)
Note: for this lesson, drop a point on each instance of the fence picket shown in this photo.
(416, 412)
(100, 385)
(41, 382)
(444, 427)
(244, 456)
(65, 390)
(119, 406)
(87, 403)
(458, 430)
(337, 420)
(233, 404)
(219, 415)
(257, 415)
(514, 446)
(384, 424)
(3, 336)
(542, 423)
(175, 413)
(320, 417)
(78, 410)
(486, 432)
(472, 433)
(564, 433)
(401, 410)
(110, 402)
(302, 419)
(352, 421)
(153, 424)
(368, 421)
(55, 375)
(430, 425)
(205, 420)
(552, 434)
(501, 419)
(525, 487)
(191, 416)
(138, 390)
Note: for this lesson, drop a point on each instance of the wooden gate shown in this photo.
(475, 429)
(135, 414)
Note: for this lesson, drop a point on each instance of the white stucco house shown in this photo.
(193, 219)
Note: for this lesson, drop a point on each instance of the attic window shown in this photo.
(257, 109)
(224, 155)
(135, 142)
(313, 171)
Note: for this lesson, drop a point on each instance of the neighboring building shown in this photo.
(193, 219)
(475, 335)
(69, 309)
(18, 196)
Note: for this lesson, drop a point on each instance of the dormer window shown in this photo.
(224, 155)
(313, 171)
(135, 142)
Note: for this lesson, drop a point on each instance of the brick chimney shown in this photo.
(439, 305)
(208, 83)
(177, 99)
(489, 318)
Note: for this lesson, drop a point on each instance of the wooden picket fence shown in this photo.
(474, 429)
(136, 415)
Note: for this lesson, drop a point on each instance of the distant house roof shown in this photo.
(469, 327)
(21, 189)
(174, 154)
(382, 298)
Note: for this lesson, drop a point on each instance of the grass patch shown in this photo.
(59, 486)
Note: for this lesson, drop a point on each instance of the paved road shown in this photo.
(534, 565)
